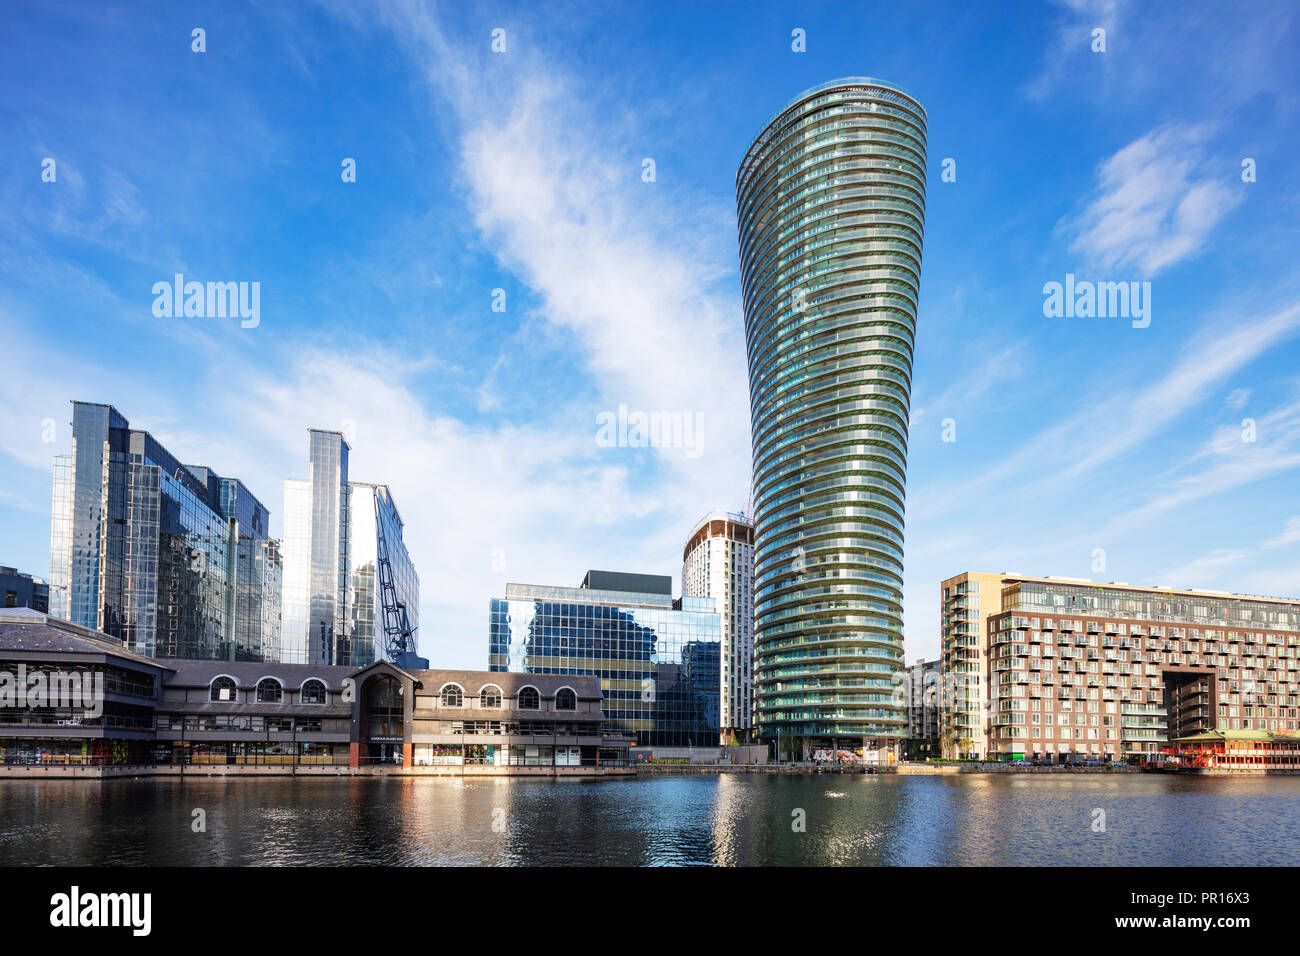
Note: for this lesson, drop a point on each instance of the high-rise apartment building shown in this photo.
(657, 659)
(830, 205)
(966, 601)
(1075, 670)
(171, 559)
(1101, 671)
(351, 593)
(718, 563)
(921, 695)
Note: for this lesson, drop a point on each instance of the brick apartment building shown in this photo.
(1078, 670)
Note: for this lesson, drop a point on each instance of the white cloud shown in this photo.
(1072, 40)
(628, 271)
(1204, 569)
(1123, 417)
(1251, 570)
(1227, 463)
(1155, 202)
(1289, 536)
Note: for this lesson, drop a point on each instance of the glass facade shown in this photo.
(658, 662)
(830, 203)
(171, 559)
(296, 549)
(718, 563)
(335, 611)
(255, 569)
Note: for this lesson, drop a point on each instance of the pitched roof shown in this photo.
(24, 630)
(1214, 736)
(471, 682)
(248, 673)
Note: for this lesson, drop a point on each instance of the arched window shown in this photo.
(565, 699)
(529, 699)
(313, 692)
(269, 691)
(452, 696)
(489, 697)
(222, 688)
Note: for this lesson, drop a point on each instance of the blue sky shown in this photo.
(522, 171)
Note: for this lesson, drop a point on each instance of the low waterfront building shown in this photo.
(657, 659)
(465, 718)
(72, 696)
(256, 716)
(22, 590)
(1236, 751)
(1080, 670)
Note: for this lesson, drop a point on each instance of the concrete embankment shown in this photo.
(906, 769)
(951, 768)
(30, 772)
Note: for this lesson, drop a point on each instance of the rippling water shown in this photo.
(724, 819)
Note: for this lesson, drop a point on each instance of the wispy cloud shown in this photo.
(991, 367)
(631, 269)
(1125, 416)
(1248, 570)
(1156, 202)
(1290, 535)
(1228, 461)
(1071, 41)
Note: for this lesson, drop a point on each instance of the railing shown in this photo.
(106, 720)
(64, 760)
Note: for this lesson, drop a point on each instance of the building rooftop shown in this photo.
(546, 592)
(1245, 736)
(25, 630)
(1158, 589)
(248, 673)
(844, 81)
(5, 569)
(628, 582)
(704, 529)
(510, 683)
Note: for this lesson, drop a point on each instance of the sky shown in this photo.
(507, 268)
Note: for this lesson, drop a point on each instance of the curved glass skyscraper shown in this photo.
(830, 201)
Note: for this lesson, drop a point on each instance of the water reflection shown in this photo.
(731, 820)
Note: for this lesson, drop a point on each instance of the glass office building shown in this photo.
(658, 660)
(830, 202)
(172, 559)
(342, 542)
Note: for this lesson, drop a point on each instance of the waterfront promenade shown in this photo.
(57, 771)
